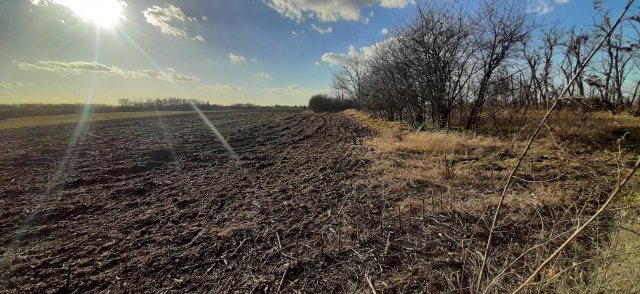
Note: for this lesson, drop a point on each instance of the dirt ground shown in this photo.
(159, 204)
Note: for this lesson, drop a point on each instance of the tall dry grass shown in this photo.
(566, 174)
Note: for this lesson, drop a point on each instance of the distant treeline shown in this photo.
(324, 103)
(8, 111)
(162, 104)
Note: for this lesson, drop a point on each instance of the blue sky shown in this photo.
(258, 51)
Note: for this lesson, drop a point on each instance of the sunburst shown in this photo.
(103, 13)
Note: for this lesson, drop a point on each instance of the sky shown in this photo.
(264, 52)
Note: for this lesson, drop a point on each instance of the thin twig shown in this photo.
(587, 261)
(234, 251)
(373, 290)
(282, 278)
(580, 229)
(279, 244)
(533, 137)
(498, 276)
(537, 181)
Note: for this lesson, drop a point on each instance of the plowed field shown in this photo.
(158, 204)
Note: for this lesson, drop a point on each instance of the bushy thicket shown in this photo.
(324, 103)
(473, 65)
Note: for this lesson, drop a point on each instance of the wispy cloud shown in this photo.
(264, 76)
(541, 7)
(318, 29)
(171, 21)
(330, 10)
(14, 84)
(221, 87)
(297, 91)
(237, 58)
(80, 67)
(384, 31)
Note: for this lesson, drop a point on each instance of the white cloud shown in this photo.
(321, 30)
(221, 87)
(264, 76)
(171, 21)
(394, 3)
(541, 7)
(14, 84)
(198, 38)
(384, 31)
(329, 10)
(237, 58)
(80, 67)
(339, 58)
(334, 59)
(253, 60)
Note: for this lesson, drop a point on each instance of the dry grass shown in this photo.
(436, 142)
(394, 137)
(615, 267)
(50, 120)
(567, 172)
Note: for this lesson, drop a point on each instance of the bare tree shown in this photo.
(576, 49)
(502, 27)
(350, 80)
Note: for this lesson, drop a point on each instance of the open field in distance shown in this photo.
(50, 120)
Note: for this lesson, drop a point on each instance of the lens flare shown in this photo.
(103, 13)
(201, 114)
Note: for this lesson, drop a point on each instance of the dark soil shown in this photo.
(160, 204)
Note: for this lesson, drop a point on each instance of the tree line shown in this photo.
(171, 103)
(325, 103)
(472, 67)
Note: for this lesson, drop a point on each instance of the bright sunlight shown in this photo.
(103, 13)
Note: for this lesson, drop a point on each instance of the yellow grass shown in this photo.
(37, 121)
(394, 137)
(465, 173)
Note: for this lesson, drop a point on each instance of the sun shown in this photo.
(103, 13)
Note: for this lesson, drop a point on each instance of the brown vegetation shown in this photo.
(567, 174)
